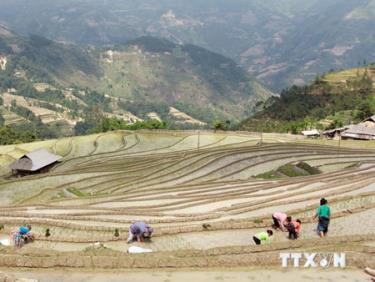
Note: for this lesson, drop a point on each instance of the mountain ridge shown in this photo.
(184, 85)
(333, 100)
(280, 42)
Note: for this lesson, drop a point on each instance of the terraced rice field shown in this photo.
(200, 194)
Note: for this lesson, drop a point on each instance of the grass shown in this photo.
(306, 167)
(268, 175)
(77, 192)
(342, 76)
(290, 170)
(345, 117)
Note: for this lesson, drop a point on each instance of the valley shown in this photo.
(178, 140)
(59, 85)
(281, 43)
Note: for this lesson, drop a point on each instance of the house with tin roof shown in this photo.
(362, 131)
(35, 162)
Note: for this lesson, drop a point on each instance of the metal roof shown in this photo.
(340, 129)
(372, 118)
(310, 132)
(35, 160)
(360, 129)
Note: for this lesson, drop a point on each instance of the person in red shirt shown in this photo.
(294, 227)
(298, 226)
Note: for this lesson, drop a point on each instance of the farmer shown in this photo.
(323, 213)
(279, 220)
(262, 237)
(18, 240)
(297, 226)
(293, 227)
(139, 231)
(25, 232)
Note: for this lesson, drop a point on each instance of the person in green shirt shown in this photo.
(262, 237)
(323, 213)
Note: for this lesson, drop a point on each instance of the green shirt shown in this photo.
(323, 211)
(263, 236)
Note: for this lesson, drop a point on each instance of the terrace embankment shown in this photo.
(200, 193)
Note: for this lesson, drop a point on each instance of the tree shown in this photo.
(15, 135)
(220, 125)
(335, 124)
(364, 111)
(92, 123)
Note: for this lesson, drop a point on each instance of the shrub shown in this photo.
(308, 168)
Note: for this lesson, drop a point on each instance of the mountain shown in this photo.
(332, 100)
(281, 42)
(43, 59)
(148, 78)
(204, 84)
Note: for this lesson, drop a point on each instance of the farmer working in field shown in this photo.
(279, 220)
(262, 237)
(293, 227)
(323, 213)
(25, 232)
(22, 235)
(139, 231)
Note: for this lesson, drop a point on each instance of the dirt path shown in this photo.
(349, 275)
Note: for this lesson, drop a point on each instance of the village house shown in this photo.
(359, 132)
(314, 133)
(362, 131)
(335, 133)
(39, 161)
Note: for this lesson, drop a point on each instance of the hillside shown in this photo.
(280, 42)
(332, 100)
(204, 84)
(54, 84)
(195, 192)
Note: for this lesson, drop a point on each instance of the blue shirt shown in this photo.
(24, 230)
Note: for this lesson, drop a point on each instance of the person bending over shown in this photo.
(262, 237)
(279, 220)
(25, 232)
(293, 227)
(139, 231)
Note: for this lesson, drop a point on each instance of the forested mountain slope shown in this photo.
(282, 42)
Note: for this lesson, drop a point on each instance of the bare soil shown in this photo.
(230, 275)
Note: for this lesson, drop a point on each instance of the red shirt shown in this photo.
(297, 226)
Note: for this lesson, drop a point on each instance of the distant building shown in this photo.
(39, 161)
(362, 131)
(335, 133)
(370, 121)
(314, 133)
(359, 132)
